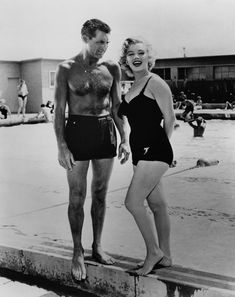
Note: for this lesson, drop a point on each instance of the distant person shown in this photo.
(22, 91)
(198, 104)
(176, 103)
(146, 105)
(187, 115)
(45, 113)
(4, 109)
(50, 105)
(182, 96)
(199, 127)
(192, 96)
(230, 103)
(179, 100)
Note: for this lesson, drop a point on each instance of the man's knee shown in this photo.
(76, 208)
(99, 186)
(77, 195)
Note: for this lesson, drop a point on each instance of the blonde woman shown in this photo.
(147, 104)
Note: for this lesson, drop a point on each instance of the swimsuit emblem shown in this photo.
(146, 150)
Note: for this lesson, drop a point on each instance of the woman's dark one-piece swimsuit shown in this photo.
(148, 140)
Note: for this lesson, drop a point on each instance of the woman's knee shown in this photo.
(132, 206)
(158, 206)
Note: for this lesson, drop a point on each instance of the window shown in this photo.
(51, 79)
(182, 73)
(164, 73)
(196, 73)
(167, 73)
(222, 72)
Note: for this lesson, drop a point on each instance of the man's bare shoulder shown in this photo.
(113, 67)
(63, 68)
(66, 64)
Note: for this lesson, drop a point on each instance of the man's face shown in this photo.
(98, 45)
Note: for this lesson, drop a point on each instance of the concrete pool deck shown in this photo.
(207, 114)
(34, 230)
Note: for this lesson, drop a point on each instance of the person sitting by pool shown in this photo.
(50, 105)
(187, 115)
(198, 104)
(230, 103)
(4, 109)
(45, 113)
(198, 129)
(179, 101)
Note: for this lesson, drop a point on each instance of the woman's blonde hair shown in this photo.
(126, 44)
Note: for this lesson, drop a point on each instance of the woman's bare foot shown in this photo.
(78, 269)
(165, 262)
(149, 263)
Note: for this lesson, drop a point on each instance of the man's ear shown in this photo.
(85, 38)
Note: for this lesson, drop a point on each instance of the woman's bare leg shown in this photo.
(20, 103)
(146, 176)
(158, 205)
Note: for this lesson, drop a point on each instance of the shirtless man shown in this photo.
(92, 92)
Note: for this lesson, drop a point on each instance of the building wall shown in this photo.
(36, 75)
(211, 77)
(9, 77)
(48, 66)
(31, 72)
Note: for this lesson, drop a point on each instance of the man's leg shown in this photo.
(77, 192)
(101, 174)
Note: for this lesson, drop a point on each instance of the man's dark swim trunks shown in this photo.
(90, 137)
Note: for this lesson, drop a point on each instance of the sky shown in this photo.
(51, 28)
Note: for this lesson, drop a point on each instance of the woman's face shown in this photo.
(137, 57)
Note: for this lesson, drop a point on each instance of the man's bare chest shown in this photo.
(97, 80)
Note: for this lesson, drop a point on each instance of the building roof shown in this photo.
(209, 60)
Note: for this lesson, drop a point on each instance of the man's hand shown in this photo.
(66, 159)
(123, 152)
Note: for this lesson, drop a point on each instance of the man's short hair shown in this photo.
(89, 28)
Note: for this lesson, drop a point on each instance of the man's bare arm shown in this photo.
(61, 92)
(121, 124)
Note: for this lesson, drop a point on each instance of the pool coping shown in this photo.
(52, 261)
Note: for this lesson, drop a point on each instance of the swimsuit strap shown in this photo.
(142, 91)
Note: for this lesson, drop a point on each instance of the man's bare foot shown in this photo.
(78, 269)
(100, 256)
